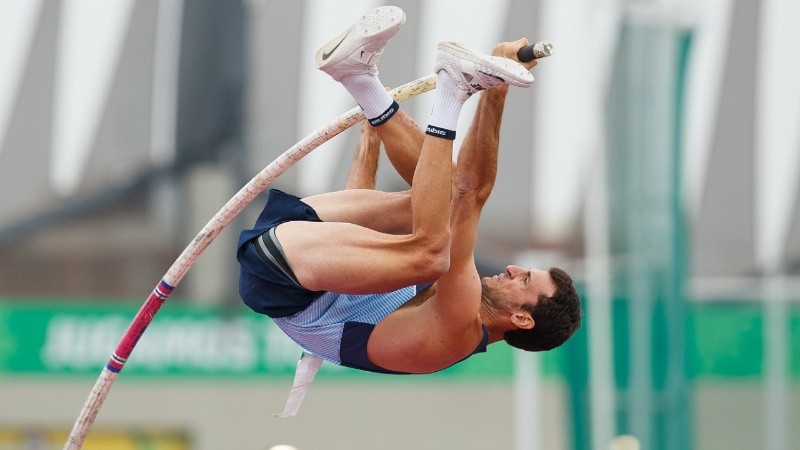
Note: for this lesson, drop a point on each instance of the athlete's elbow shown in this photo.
(477, 193)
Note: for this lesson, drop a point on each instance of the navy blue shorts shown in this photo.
(262, 286)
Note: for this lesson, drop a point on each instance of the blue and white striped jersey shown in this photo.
(318, 329)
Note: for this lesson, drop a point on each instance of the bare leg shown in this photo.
(387, 212)
(345, 257)
(402, 140)
(365, 162)
(350, 258)
(353, 249)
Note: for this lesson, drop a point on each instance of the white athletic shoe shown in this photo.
(474, 71)
(358, 48)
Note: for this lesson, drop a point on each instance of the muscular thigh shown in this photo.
(386, 212)
(347, 258)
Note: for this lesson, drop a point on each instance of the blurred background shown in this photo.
(657, 159)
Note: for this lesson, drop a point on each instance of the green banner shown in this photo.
(725, 340)
(180, 341)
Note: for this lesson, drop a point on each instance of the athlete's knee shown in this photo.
(431, 268)
(432, 257)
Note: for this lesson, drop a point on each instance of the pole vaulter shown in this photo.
(217, 223)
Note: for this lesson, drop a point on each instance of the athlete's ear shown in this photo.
(523, 320)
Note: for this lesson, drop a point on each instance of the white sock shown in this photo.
(446, 107)
(369, 93)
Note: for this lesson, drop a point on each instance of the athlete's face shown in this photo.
(518, 286)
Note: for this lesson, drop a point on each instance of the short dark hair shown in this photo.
(555, 318)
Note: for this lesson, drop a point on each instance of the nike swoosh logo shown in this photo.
(327, 55)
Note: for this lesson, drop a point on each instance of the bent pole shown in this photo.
(222, 218)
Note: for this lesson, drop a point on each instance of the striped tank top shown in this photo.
(336, 327)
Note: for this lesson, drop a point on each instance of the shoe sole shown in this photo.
(512, 72)
(384, 21)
